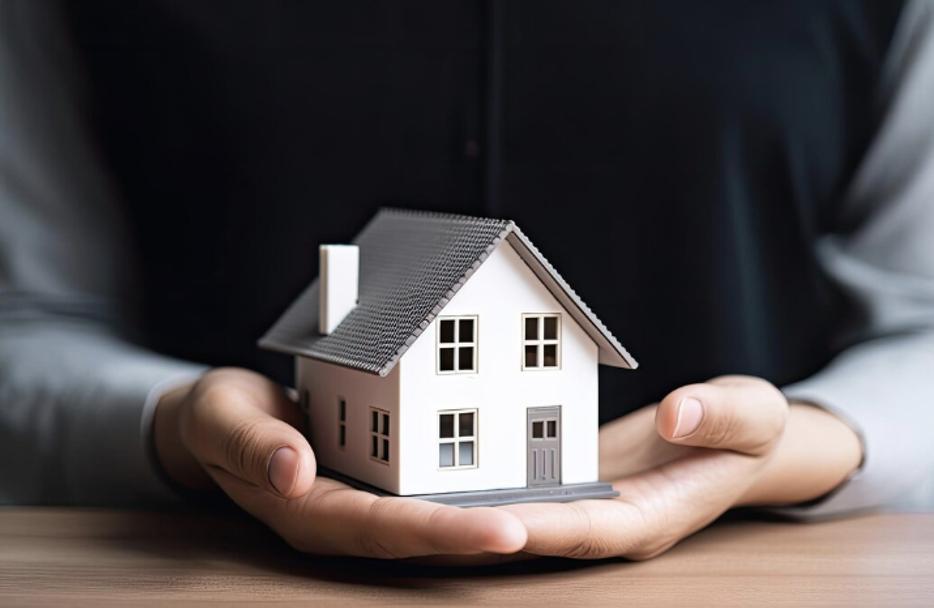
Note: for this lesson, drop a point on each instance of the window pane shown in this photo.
(374, 443)
(531, 328)
(531, 355)
(385, 454)
(550, 355)
(551, 328)
(465, 358)
(447, 360)
(447, 331)
(466, 333)
(446, 455)
(552, 428)
(374, 421)
(343, 410)
(466, 428)
(342, 440)
(446, 429)
(385, 430)
(537, 429)
(465, 454)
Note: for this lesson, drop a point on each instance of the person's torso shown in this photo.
(675, 160)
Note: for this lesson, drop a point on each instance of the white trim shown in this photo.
(457, 439)
(540, 341)
(457, 344)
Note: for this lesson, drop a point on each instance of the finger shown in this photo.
(654, 511)
(334, 519)
(631, 445)
(737, 413)
(235, 423)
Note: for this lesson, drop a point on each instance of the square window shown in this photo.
(466, 330)
(550, 355)
(465, 454)
(551, 328)
(552, 428)
(457, 345)
(457, 443)
(446, 455)
(538, 429)
(531, 328)
(542, 341)
(447, 359)
(465, 358)
(447, 331)
(446, 430)
(466, 425)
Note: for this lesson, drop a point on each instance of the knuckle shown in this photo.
(367, 539)
(242, 447)
(720, 429)
(588, 544)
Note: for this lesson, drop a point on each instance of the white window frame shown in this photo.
(457, 344)
(540, 341)
(381, 433)
(341, 423)
(457, 439)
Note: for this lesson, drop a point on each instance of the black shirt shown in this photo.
(675, 160)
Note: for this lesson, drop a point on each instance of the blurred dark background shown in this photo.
(675, 160)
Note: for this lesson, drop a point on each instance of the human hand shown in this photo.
(678, 466)
(238, 429)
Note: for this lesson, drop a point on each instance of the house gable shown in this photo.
(500, 392)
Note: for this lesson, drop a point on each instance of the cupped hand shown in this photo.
(239, 430)
(702, 450)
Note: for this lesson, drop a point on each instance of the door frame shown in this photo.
(543, 414)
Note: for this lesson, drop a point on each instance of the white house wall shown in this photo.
(499, 293)
(325, 384)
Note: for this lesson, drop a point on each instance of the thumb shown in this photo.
(235, 423)
(738, 413)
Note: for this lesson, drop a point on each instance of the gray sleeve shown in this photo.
(883, 384)
(72, 386)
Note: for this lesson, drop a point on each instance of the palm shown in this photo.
(336, 519)
(667, 491)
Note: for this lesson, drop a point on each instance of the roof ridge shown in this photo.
(440, 215)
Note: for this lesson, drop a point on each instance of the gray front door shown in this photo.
(544, 465)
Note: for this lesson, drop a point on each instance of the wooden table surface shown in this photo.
(67, 557)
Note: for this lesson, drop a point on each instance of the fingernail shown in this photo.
(282, 470)
(690, 416)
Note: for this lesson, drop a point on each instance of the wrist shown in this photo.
(817, 452)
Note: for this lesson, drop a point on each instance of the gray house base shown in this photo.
(492, 498)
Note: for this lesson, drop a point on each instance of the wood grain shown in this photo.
(70, 557)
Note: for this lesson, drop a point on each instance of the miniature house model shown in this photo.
(443, 357)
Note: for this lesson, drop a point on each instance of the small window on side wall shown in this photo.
(457, 345)
(379, 435)
(341, 423)
(541, 341)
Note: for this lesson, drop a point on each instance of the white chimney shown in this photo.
(339, 281)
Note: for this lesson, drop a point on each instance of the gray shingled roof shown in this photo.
(411, 264)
